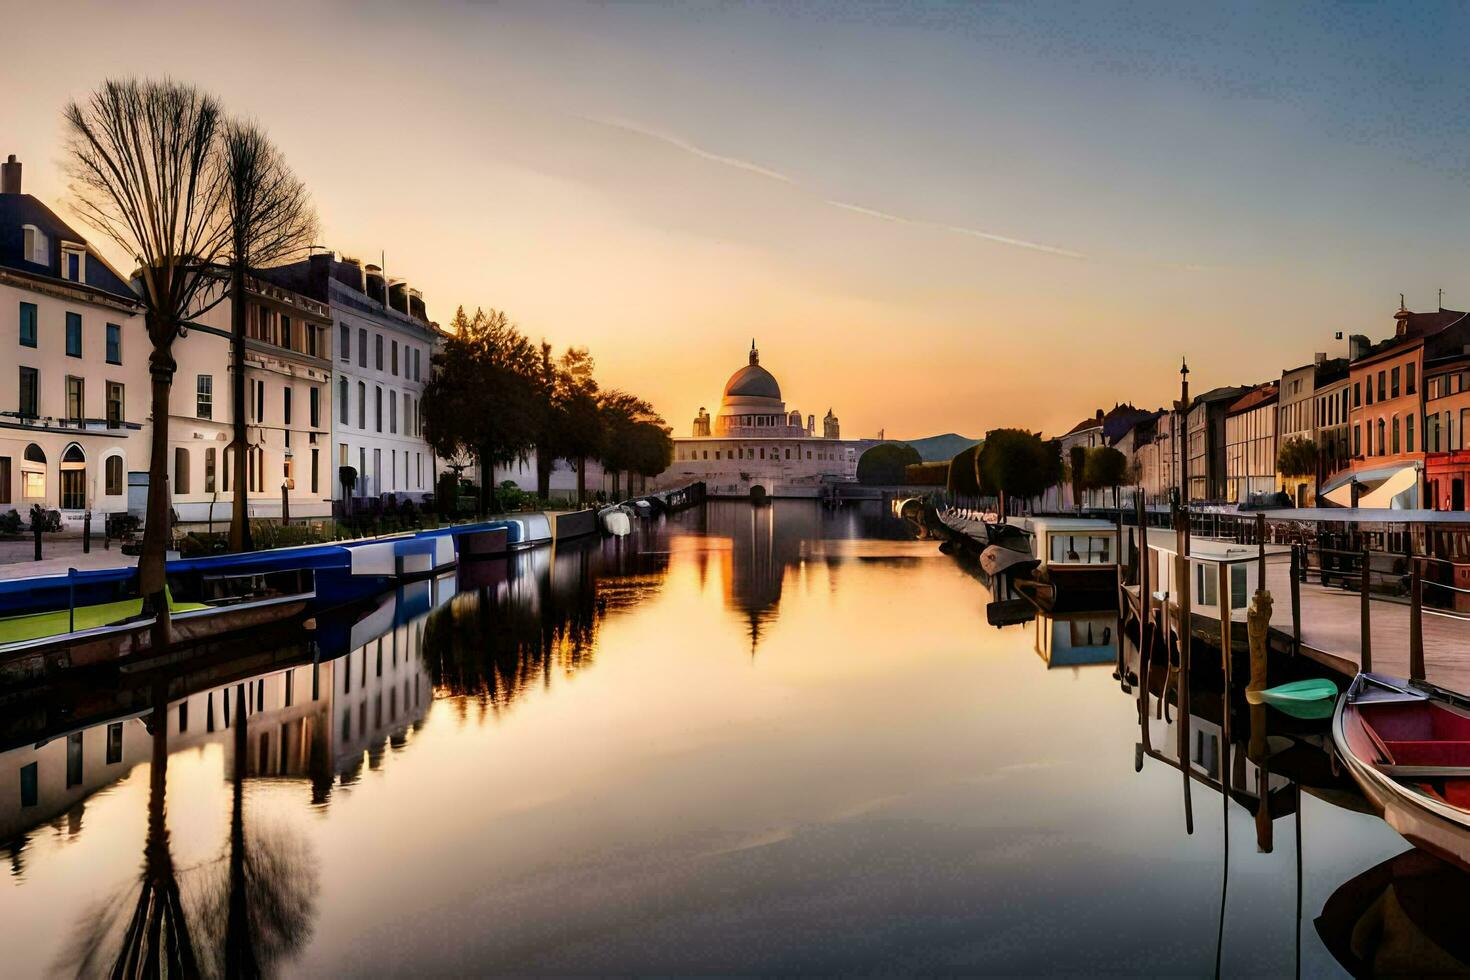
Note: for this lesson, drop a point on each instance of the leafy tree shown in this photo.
(582, 432)
(883, 465)
(1016, 463)
(144, 168)
(962, 472)
(1107, 468)
(480, 400)
(270, 219)
(1077, 470)
(636, 438)
(1297, 457)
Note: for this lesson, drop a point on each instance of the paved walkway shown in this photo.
(60, 552)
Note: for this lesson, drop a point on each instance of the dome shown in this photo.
(753, 381)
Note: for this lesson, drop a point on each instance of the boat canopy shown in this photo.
(1391, 487)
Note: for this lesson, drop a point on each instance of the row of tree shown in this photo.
(496, 398)
(1015, 464)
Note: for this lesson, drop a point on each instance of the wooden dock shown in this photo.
(1330, 623)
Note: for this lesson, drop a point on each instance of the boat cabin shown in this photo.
(1070, 541)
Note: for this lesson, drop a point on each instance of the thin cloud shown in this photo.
(755, 168)
(698, 151)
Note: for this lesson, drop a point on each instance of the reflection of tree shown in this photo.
(156, 940)
(249, 911)
(266, 898)
(492, 645)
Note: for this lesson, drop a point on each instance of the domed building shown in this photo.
(754, 439)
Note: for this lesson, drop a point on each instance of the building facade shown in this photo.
(1204, 426)
(755, 440)
(1447, 431)
(1250, 444)
(75, 396)
(288, 376)
(383, 343)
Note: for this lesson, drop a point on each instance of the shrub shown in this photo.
(10, 522)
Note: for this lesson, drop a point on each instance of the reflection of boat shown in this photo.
(1072, 641)
(1009, 612)
(1407, 744)
(1404, 917)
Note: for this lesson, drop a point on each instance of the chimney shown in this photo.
(10, 176)
(1319, 358)
(398, 296)
(1357, 346)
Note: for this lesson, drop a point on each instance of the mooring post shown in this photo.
(1222, 593)
(1260, 551)
(1297, 556)
(1182, 583)
(1366, 660)
(1416, 621)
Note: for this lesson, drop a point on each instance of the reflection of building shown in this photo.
(311, 721)
(74, 396)
(754, 439)
(1077, 640)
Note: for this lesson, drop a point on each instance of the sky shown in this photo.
(930, 217)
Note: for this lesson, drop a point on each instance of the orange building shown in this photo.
(1447, 430)
(1386, 418)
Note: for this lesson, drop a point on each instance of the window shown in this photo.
(417, 363)
(28, 324)
(30, 785)
(395, 359)
(362, 347)
(314, 453)
(260, 401)
(73, 335)
(4, 479)
(1357, 394)
(1409, 371)
(204, 396)
(114, 344)
(1408, 433)
(1357, 440)
(1394, 429)
(114, 743)
(1381, 443)
(361, 405)
(181, 470)
(392, 411)
(314, 407)
(112, 473)
(378, 406)
(1393, 383)
(75, 399)
(30, 390)
(1382, 385)
(309, 333)
(344, 341)
(286, 331)
(37, 247)
(209, 469)
(73, 263)
(378, 351)
(286, 405)
(114, 404)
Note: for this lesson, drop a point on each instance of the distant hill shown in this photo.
(935, 449)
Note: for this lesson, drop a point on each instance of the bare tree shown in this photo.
(271, 218)
(144, 171)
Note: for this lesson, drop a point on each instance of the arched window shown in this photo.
(73, 478)
(181, 471)
(113, 475)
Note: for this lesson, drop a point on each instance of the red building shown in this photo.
(1447, 430)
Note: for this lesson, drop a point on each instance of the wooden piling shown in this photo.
(1296, 599)
(1365, 662)
(1416, 620)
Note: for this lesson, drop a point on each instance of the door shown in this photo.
(73, 492)
(1457, 494)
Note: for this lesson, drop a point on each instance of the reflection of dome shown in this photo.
(753, 381)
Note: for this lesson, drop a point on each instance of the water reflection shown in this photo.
(891, 785)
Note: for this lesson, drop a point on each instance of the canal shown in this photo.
(741, 740)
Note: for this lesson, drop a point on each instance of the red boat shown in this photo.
(1407, 744)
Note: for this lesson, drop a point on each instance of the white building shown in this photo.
(755, 440)
(383, 346)
(288, 376)
(74, 392)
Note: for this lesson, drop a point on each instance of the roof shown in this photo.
(1219, 394)
(19, 210)
(1255, 398)
(1091, 422)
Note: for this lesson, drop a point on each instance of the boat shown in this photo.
(616, 520)
(999, 559)
(1076, 566)
(1404, 917)
(1407, 746)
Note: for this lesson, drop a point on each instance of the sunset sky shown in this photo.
(930, 217)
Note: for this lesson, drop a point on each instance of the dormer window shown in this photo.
(37, 248)
(73, 262)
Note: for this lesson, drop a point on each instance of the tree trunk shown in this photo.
(156, 528)
(240, 509)
(543, 474)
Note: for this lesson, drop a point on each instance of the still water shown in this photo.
(741, 740)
